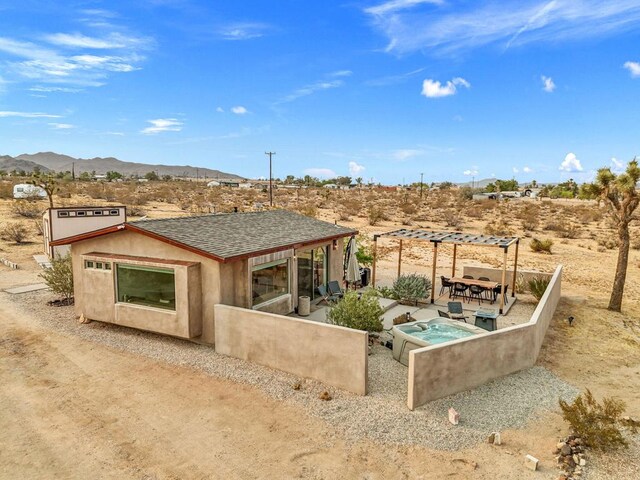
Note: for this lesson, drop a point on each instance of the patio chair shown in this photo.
(459, 290)
(443, 314)
(468, 276)
(334, 289)
(456, 312)
(496, 292)
(326, 296)
(475, 291)
(445, 284)
(487, 292)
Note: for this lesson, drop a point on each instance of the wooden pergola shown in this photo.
(455, 239)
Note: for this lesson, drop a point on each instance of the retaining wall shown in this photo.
(495, 274)
(441, 370)
(334, 355)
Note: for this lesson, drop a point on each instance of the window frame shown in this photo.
(149, 268)
(264, 266)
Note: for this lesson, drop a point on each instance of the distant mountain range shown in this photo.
(478, 183)
(50, 161)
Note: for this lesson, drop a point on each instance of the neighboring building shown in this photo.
(26, 190)
(166, 275)
(213, 183)
(58, 223)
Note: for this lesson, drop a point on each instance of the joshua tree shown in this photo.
(47, 182)
(621, 197)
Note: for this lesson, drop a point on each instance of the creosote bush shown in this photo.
(26, 209)
(538, 285)
(360, 313)
(14, 232)
(411, 288)
(596, 423)
(59, 277)
(541, 246)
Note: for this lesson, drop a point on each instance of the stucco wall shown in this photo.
(133, 244)
(441, 370)
(333, 355)
(495, 274)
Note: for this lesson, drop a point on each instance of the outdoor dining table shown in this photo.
(488, 284)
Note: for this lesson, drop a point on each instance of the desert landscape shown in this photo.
(98, 400)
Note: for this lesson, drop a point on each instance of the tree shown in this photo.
(621, 197)
(111, 176)
(85, 177)
(47, 182)
(151, 176)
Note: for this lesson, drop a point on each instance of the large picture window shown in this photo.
(150, 286)
(269, 281)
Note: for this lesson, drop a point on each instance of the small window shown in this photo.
(99, 265)
(114, 212)
(88, 264)
(107, 266)
(19, 189)
(97, 212)
(81, 213)
(63, 214)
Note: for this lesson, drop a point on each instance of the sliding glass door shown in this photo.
(312, 271)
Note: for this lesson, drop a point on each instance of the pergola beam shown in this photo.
(433, 271)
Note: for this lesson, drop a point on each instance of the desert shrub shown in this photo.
(14, 232)
(408, 208)
(39, 227)
(608, 243)
(309, 210)
(569, 231)
(386, 292)
(26, 209)
(538, 285)
(374, 215)
(135, 211)
(541, 246)
(635, 244)
(452, 218)
(411, 288)
(597, 424)
(520, 284)
(59, 277)
(357, 312)
(6, 190)
(499, 228)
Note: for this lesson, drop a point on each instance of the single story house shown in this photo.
(166, 275)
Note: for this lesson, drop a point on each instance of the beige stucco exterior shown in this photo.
(200, 283)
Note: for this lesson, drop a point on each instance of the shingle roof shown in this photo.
(240, 234)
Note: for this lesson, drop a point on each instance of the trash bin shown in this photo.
(365, 276)
(304, 306)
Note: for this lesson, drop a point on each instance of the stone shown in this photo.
(83, 320)
(531, 462)
(576, 458)
(454, 417)
(496, 438)
(491, 438)
(565, 450)
(582, 462)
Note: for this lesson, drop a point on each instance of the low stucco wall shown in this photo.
(441, 370)
(495, 274)
(334, 355)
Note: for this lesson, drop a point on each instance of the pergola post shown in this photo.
(375, 258)
(400, 258)
(504, 279)
(453, 266)
(515, 271)
(433, 272)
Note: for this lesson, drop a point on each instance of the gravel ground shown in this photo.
(509, 402)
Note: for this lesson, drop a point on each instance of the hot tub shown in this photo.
(422, 333)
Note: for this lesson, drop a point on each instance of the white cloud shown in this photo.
(112, 41)
(39, 88)
(406, 153)
(515, 169)
(243, 30)
(162, 125)
(526, 169)
(633, 67)
(61, 126)
(355, 169)
(474, 24)
(616, 165)
(434, 89)
(571, 164)
(396, 5)
(310, 90)
(320, 172)
(28, 114)
(341, 73)
(219, 109)
(239, 110)
(547, 84)
(472, 172)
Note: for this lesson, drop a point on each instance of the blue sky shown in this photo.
(382, 90)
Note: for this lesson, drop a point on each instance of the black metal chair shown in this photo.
(460, 290)
(456, 312)
(326, 296)
(476, 291)
(334, 289)
(496, 293)
(443, 314)
(445, 284)
(468, 276)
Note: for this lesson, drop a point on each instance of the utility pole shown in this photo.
(73, 171)
(270, 177)
(421, 177)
